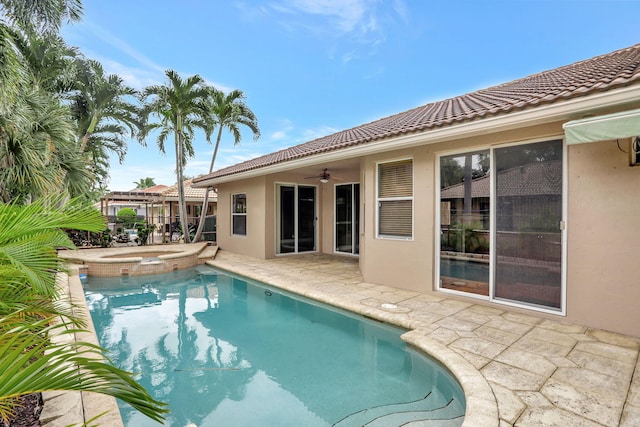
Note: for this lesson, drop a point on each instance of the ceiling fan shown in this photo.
(324, 176)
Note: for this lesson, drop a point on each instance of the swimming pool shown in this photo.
(227, 351)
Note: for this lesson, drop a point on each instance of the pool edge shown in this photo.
(63, 408)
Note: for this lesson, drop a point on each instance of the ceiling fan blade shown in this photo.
(324, 175)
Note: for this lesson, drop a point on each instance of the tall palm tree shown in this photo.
(180, 109)
(106, 113)
(103, 100)
(145, 183)
(34, 321)
(228, 112)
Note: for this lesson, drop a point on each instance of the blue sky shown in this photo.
(309, 68)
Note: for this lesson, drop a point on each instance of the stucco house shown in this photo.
(521, 195)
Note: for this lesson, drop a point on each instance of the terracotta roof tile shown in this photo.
(189, 192)
(598, 74)
(155, 189)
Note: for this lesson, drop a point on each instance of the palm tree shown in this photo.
(145, 183)
(50, 62)
(103, 100)
(38, 153)
(181, 110)
(106, 114)
(41, 15)
(34, 320)
(37, 150)
(228, 112)
(12, 73)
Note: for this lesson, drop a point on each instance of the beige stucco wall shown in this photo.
(603, 234)
(403, 263)
(253, 243)
(603, 278)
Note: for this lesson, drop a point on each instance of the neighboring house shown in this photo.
(159, 204)
(531, 180)
(140, 200)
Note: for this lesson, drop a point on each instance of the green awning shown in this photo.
(602, 128)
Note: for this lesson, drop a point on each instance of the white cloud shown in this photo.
(337, 18)
(341, 25)
(346, 15)
(137, 78)
(401, 9)
(123, 47)
(278, 135)
(147, 72)
(311, 134)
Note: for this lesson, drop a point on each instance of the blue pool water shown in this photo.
(506, 273)
(226, 351)
(467, 270)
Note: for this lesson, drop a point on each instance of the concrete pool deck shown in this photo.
(516, 369)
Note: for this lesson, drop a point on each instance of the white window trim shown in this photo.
(390, 199)
(234, 214)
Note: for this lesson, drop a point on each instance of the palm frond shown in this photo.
(35, 365)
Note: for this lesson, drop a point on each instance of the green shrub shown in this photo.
(127, 217)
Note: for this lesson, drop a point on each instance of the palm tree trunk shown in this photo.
(181, 202)
(205, 202)
(87, 134)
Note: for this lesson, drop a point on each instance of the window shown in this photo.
(395, 199)
(239, 214)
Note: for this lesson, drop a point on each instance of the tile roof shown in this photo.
(159, 192)
(158, 188)
(602, 73)
(533, 179)
(189, 192)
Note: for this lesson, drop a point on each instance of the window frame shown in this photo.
(381, 200)
(235, 214)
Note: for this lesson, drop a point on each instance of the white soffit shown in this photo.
(602, 128)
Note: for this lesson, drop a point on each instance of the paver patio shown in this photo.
(516, 369)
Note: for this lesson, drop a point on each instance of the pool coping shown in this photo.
(64, 408)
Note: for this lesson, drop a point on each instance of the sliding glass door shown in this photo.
(501, 217)
(347, 214)
(464, 222)
(528, 235)
(296, 219)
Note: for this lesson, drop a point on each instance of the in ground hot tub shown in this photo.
(137, 261)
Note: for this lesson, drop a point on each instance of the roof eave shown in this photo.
(565, 110)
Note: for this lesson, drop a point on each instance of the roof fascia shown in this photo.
(566, 110)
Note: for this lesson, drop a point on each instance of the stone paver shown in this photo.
(516, 369)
